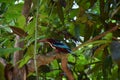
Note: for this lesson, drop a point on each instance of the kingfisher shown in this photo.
(57, 45)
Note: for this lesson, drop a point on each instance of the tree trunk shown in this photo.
(18, 73)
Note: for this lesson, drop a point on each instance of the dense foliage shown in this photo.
(86, 26)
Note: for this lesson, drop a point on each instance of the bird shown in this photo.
(57, 45)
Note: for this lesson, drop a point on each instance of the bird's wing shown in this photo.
(60, 45)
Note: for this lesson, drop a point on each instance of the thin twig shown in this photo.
(36, 32)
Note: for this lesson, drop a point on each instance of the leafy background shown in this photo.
(72, 21)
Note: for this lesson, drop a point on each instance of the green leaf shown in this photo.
(21, 21)
(30, 50)
(30, 27)
(6, 1)
(71, 28)
(60, 12)
(80, 64)
(77, 31)
(55, 64)
(73, 13)
(108, 36)
(4, 51)
(13, 11)
(71, 58)
(88, 32)
(23, 61)
(53, 74)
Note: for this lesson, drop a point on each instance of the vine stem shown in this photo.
(36, 33)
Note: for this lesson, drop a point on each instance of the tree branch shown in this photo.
(97, 37)
(65, 68)
(43, 60)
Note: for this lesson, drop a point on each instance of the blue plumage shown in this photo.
(59, 46)
(62, 45)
